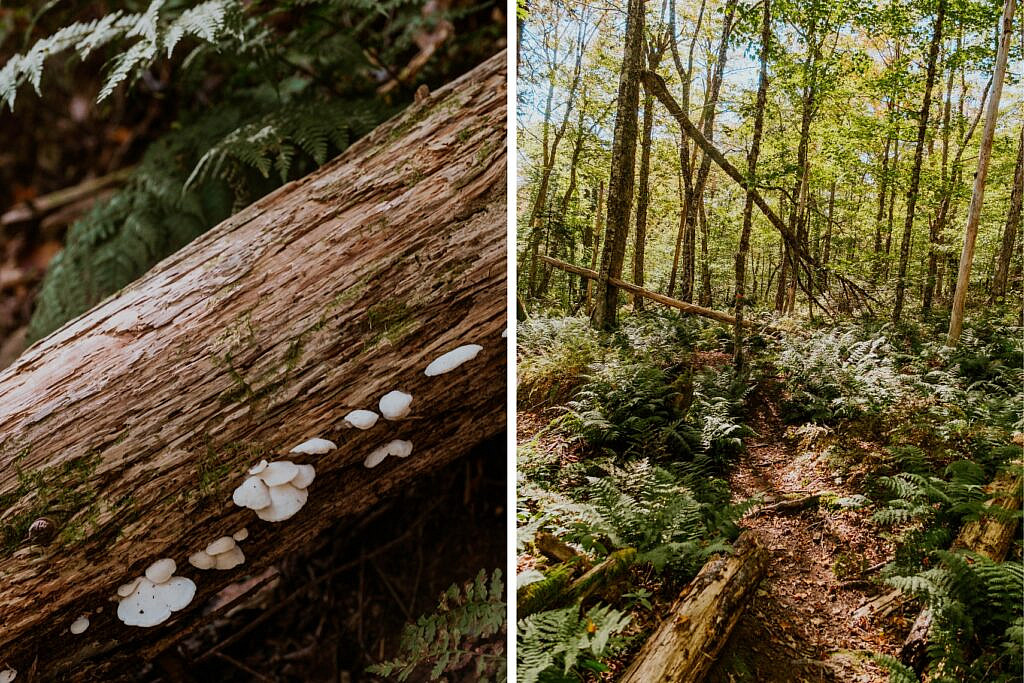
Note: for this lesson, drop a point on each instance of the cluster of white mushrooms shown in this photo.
(275, 491)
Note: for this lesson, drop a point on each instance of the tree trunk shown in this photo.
(915, 173)
(598, 229)
(935, 229)
(963, 280)
(685, 645)
(1012, 223)
(620, 184)
(130, 426)
(654, 54)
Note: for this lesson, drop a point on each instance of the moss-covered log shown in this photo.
(128, 428)
(685, 645)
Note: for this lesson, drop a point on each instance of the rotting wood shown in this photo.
(132, 424)
(640, 291)
(685, 645)
(557, 550)
(990, 536)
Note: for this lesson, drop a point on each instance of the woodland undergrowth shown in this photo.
(630, 473)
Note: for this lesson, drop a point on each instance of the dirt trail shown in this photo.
(799, 626)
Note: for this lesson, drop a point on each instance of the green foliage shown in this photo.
(973, 599)
(558, 645)
(554, 354)
(142, 37)
(466, 633)
(839, 375)
(259, 101)
(644, 506)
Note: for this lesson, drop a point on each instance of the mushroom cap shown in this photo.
(252, 494)
(305, 477)
(400, 448)
(241, 534)
(202, 560)
(362, 419)
(8, 675)
(314, 447)
(145, 607)
(221, 545)
(161, 570)
(394, 405)
(178, 592)
(286, 500)
(230, 559)
(258, 467)
(126, 589)
(452, 359)
(79, 625)
(504, 333)
(377, 456)
(280, 472)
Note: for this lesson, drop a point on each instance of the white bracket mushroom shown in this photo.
(394, 405)
(361, 419)
(79, 625)
(8, 675)
(314, 447)
(276, 491)
(452, 359)
(149, 600)
(223, 553)
(398, 448)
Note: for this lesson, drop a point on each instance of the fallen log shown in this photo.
(685, 645)
(646, 293)
(991, 536)
(789, 505)
(125, 431)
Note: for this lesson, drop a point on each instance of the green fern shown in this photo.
(465, 633)
(552, 645)
(145, 36)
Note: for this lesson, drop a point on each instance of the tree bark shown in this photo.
(963, 280)
(598, 229)
(620, 184)
(685, 645)
(915, 173)
(1012, 223)
(130, 426)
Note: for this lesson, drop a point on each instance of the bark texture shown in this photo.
(131, 425)
(684, 646)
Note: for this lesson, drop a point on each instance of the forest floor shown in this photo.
(800, 626)
(824, 559)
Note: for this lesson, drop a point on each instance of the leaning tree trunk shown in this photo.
(685, 645)
(131, 425)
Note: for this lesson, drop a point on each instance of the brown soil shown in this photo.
(799, 626)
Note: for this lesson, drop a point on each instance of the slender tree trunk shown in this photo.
(935, 229)
(620, 185)
(708, 130)
(685, 161)
(748, 201)
(130, 426)
(963, 280)
(598, 231)
(654, 54)
(915, 174)
(704, 297)
(1012, 223)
